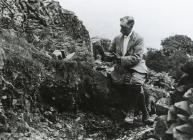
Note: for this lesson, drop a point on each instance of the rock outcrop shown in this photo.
(45, 24)
(30, 30)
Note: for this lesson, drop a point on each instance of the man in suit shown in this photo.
(130, 69)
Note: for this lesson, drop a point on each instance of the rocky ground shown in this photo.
(70, 126)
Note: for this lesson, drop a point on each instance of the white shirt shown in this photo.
(125, 43)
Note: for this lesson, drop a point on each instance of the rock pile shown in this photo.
(177, 124)
(45, 24)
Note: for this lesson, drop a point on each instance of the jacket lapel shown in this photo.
(120, 52)
(130, 44)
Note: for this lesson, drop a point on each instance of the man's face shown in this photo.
(126, 30)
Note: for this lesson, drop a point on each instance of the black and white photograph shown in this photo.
(96, 70)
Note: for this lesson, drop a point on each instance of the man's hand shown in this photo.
(117, 58)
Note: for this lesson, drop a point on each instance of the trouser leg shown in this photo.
(142, 104)
(137, 80)
(133, 96)
(132, 99)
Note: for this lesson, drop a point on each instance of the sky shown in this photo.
(154, 19)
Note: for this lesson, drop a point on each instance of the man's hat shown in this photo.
(126, 21)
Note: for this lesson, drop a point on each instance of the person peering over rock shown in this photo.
(130, 69)
(98, 50)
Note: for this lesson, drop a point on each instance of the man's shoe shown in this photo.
(147, 120)
(129, 118)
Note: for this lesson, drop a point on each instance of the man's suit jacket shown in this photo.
(133, 57)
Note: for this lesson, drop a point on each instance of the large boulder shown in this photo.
(81, 86)
(162, 106)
